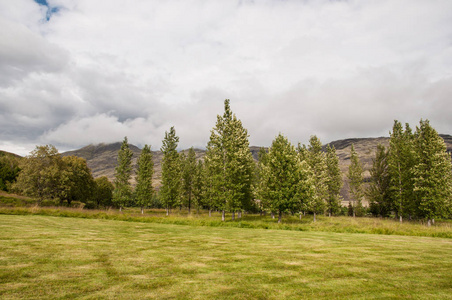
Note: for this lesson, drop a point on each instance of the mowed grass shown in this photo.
(45, 257)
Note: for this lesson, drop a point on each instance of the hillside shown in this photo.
(102, 158)
(8, 154)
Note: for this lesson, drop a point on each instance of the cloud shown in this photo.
(97, 71)
(23, 52)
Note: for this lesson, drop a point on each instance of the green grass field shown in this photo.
(47, 257)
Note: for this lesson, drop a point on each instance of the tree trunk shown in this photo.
(314, 217)
(120, 209)
(329, 214)
(279, 217)
(239, 215)
(210, 212)
(222, 215)
(300, 215)
(400, 218)
(353, 212)
(167, 211)
(273, 215)
(233, 215)
(429, 223)
(142, 210)
(433, 221)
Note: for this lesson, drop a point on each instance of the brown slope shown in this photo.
(102, 160)
(9, 154)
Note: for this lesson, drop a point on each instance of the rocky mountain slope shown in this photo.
(102, 158)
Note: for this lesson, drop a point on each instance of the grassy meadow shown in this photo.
(54, 257)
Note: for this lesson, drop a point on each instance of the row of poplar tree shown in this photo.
(228, 179)
(412, 178)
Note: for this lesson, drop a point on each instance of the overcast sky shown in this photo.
(75, 72)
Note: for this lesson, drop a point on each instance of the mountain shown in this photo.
(102, 158)
(8, 154)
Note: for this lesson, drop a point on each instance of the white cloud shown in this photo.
(101, 70)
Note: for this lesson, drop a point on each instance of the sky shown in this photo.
(79, 72)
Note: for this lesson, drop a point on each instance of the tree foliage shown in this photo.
(333, 181)
(144, 190)
(432, 173)
(286, 181)
(39, 176)
(188, 177)
(76, 180)
(316, 160)
(48, 176)
(401, 161)
(9, 170)
(170, 191)
(103, 192)
(355, 176)
(199, 186)
(378, 191)
(122, 193)
(230, 163)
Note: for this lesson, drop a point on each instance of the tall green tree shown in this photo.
(170, 192)
(355, 176)
(281, 177)
(378, 191)
(122, 193)
(286, 182)
(316, 160)
(401, 160)
(334, 181)
(144, 190)
(230, 163)
(432, 173)
(188, 177)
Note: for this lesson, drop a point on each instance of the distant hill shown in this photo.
(5, 153)
(102, 158)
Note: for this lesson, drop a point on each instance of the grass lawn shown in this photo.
(45, 257)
